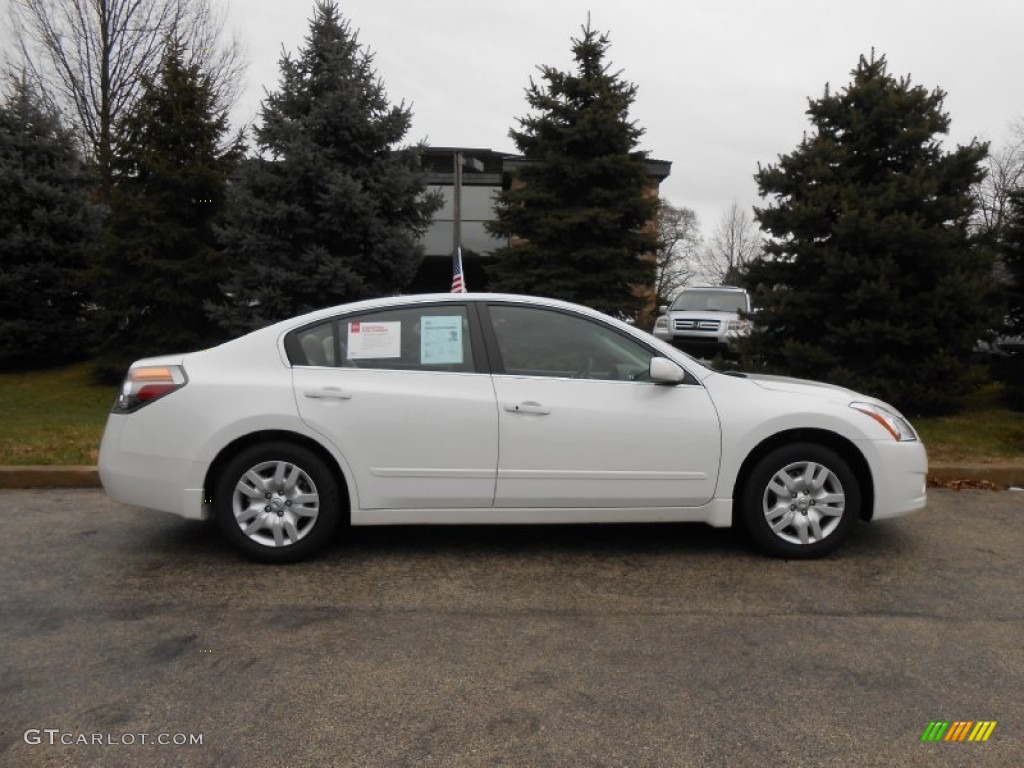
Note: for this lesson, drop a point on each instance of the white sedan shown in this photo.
(488, 408)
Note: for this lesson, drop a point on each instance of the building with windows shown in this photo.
(484, 174)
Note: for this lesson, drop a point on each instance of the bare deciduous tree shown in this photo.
(1005, 174)
(678, 243)
(89, 57)
(735, 243)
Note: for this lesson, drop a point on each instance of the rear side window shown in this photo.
(313, 346)
(434, 338)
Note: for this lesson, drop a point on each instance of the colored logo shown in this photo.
(958, 730)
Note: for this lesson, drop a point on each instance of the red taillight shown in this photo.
(145, 384)
(153, 391)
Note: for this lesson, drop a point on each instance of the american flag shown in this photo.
(458, 283)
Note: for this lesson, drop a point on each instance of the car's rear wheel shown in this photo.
(277, 502)
(801, 501)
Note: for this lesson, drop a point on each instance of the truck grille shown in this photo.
(697, 325)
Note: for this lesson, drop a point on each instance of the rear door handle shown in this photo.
(328, 393)
(528, 407)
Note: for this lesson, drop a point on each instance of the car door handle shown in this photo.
(328, 393)
(528, 407)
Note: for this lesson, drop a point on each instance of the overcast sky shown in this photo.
(723, 84)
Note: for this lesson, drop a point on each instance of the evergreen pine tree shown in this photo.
(330, 211)
(160, 262)
(871, 278)
(579, 213)
(47, 229)
(1010, 370)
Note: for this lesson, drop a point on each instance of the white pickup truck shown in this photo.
(705, 319)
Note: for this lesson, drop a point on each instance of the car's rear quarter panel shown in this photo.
(158, 456)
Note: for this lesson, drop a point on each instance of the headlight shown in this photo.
(661, 323)
(894, 423)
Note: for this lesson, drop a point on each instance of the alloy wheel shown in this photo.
(804, 502)
(276, 503)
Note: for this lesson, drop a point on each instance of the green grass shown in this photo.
(985, 432)
(57, 416)
(52, 417)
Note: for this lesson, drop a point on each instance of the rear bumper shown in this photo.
(148, 480)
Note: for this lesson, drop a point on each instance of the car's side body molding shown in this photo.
(717, 513)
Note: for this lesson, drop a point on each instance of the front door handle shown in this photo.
(528, 407)
(328, 393)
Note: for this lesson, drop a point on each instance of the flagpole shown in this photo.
(457, 209)
(460, 162)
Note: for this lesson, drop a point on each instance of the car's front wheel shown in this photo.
(277, 502)
(800, 501)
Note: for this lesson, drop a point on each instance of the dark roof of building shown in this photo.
(439, 161)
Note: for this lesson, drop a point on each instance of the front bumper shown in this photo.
(720, 339)
(900, 473)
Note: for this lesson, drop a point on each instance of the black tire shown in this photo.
(814, 521)
(300, 509)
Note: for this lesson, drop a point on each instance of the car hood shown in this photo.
(805, 387)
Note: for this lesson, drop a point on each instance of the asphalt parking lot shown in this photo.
(668, 645)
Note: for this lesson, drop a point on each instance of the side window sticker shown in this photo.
(374, 341)
(441, 340)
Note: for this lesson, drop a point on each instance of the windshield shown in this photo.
(711, 301)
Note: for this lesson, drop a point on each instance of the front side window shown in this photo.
(546, 342)
(431, 338)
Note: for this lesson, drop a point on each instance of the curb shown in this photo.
(999, 475)
(38, 476)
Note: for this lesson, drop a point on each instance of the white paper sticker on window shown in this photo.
(441, 340)
(368, 341)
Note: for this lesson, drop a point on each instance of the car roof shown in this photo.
(435, 298)
(279, 329)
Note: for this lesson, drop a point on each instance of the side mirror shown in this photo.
(662, 309)
(664, 371)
